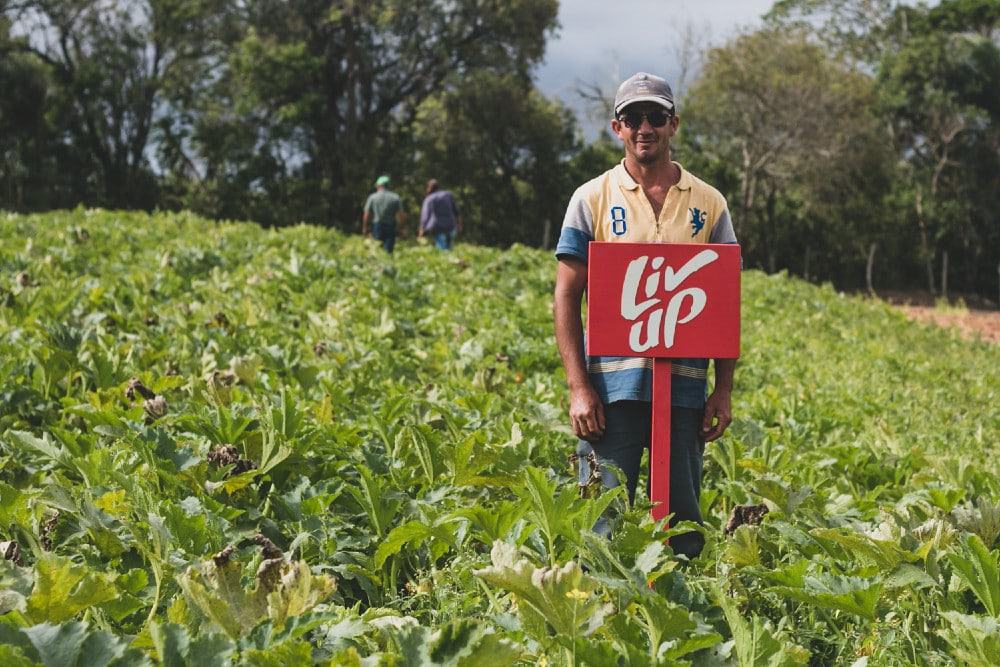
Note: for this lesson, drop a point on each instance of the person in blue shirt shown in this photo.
(439, 216)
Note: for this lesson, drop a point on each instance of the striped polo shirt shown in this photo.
(613, 207)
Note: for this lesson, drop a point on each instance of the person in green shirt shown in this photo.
(383, 209)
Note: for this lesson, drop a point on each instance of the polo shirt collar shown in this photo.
(626, 181)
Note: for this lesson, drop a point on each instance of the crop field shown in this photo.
(221, 444)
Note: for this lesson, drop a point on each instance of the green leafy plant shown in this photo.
(380, 451)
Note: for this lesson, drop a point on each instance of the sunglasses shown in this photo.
(633, 119)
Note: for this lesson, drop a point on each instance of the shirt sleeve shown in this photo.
(368, 204)
(577, 230)
(723, 231)
(425, 213)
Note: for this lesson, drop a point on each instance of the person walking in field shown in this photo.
(646, 198)
(439, 216)
(383, 209)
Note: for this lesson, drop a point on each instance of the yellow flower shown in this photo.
(577, 594)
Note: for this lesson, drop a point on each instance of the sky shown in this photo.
(602, 42)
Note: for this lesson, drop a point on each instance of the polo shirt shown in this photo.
(613, 208)
(383, 205)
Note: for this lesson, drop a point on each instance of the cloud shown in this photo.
(602, 43)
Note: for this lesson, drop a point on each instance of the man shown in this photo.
(439, 216)
(646, 198)
(384, 209)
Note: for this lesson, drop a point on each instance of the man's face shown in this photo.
(646, 144)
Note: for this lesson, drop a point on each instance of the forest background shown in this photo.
(856, 141)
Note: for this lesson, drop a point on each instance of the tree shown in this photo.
(26, 141)
(852, 29)
(789, 118)
(113, 65)
(937, 70)
(504, 149)
(940, 93)
(321, 96)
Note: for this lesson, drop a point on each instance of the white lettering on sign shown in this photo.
(661, 319)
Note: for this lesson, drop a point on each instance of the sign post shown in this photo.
(663, 301)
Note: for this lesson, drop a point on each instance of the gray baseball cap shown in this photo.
(643, 87)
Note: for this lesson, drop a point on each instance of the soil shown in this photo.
(973, 318)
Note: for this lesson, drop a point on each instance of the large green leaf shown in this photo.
(563, 598)
(884, 554)
(176, 648)
(292, 653)
(974, 640)
(43, 446)
(13, 506)
(76, 644)
(64, 588)
(855, 595)
(281, 590)
(778, 492)
(983, 519)
(742, 549)
(17, 646)
(462, 643)
(979, 568)
(757, 643)
(413, 533)
(12, 656)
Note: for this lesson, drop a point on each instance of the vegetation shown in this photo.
(223, 443)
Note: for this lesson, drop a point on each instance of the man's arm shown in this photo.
(364, 222)
(425, 210)
(719, 406)
(586, 412)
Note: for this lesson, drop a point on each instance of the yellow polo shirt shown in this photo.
(613, 207)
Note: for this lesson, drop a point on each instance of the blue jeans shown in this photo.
(386, 233)
(625, 437)
(444, 240)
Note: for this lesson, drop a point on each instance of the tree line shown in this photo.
(856, 140)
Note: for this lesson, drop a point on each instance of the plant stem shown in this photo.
(158, 575)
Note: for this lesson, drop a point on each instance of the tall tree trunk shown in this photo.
(944, 275)
(746, 192)
(869, 268)
(925, 249)
(772, 230)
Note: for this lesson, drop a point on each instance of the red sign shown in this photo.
(664, 300)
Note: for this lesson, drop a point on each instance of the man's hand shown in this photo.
(586, 413)
(718, 415)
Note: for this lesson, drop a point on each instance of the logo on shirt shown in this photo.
(697, 220)
(618, 227)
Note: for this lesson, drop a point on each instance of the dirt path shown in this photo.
(973, 321)
(984, 324)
